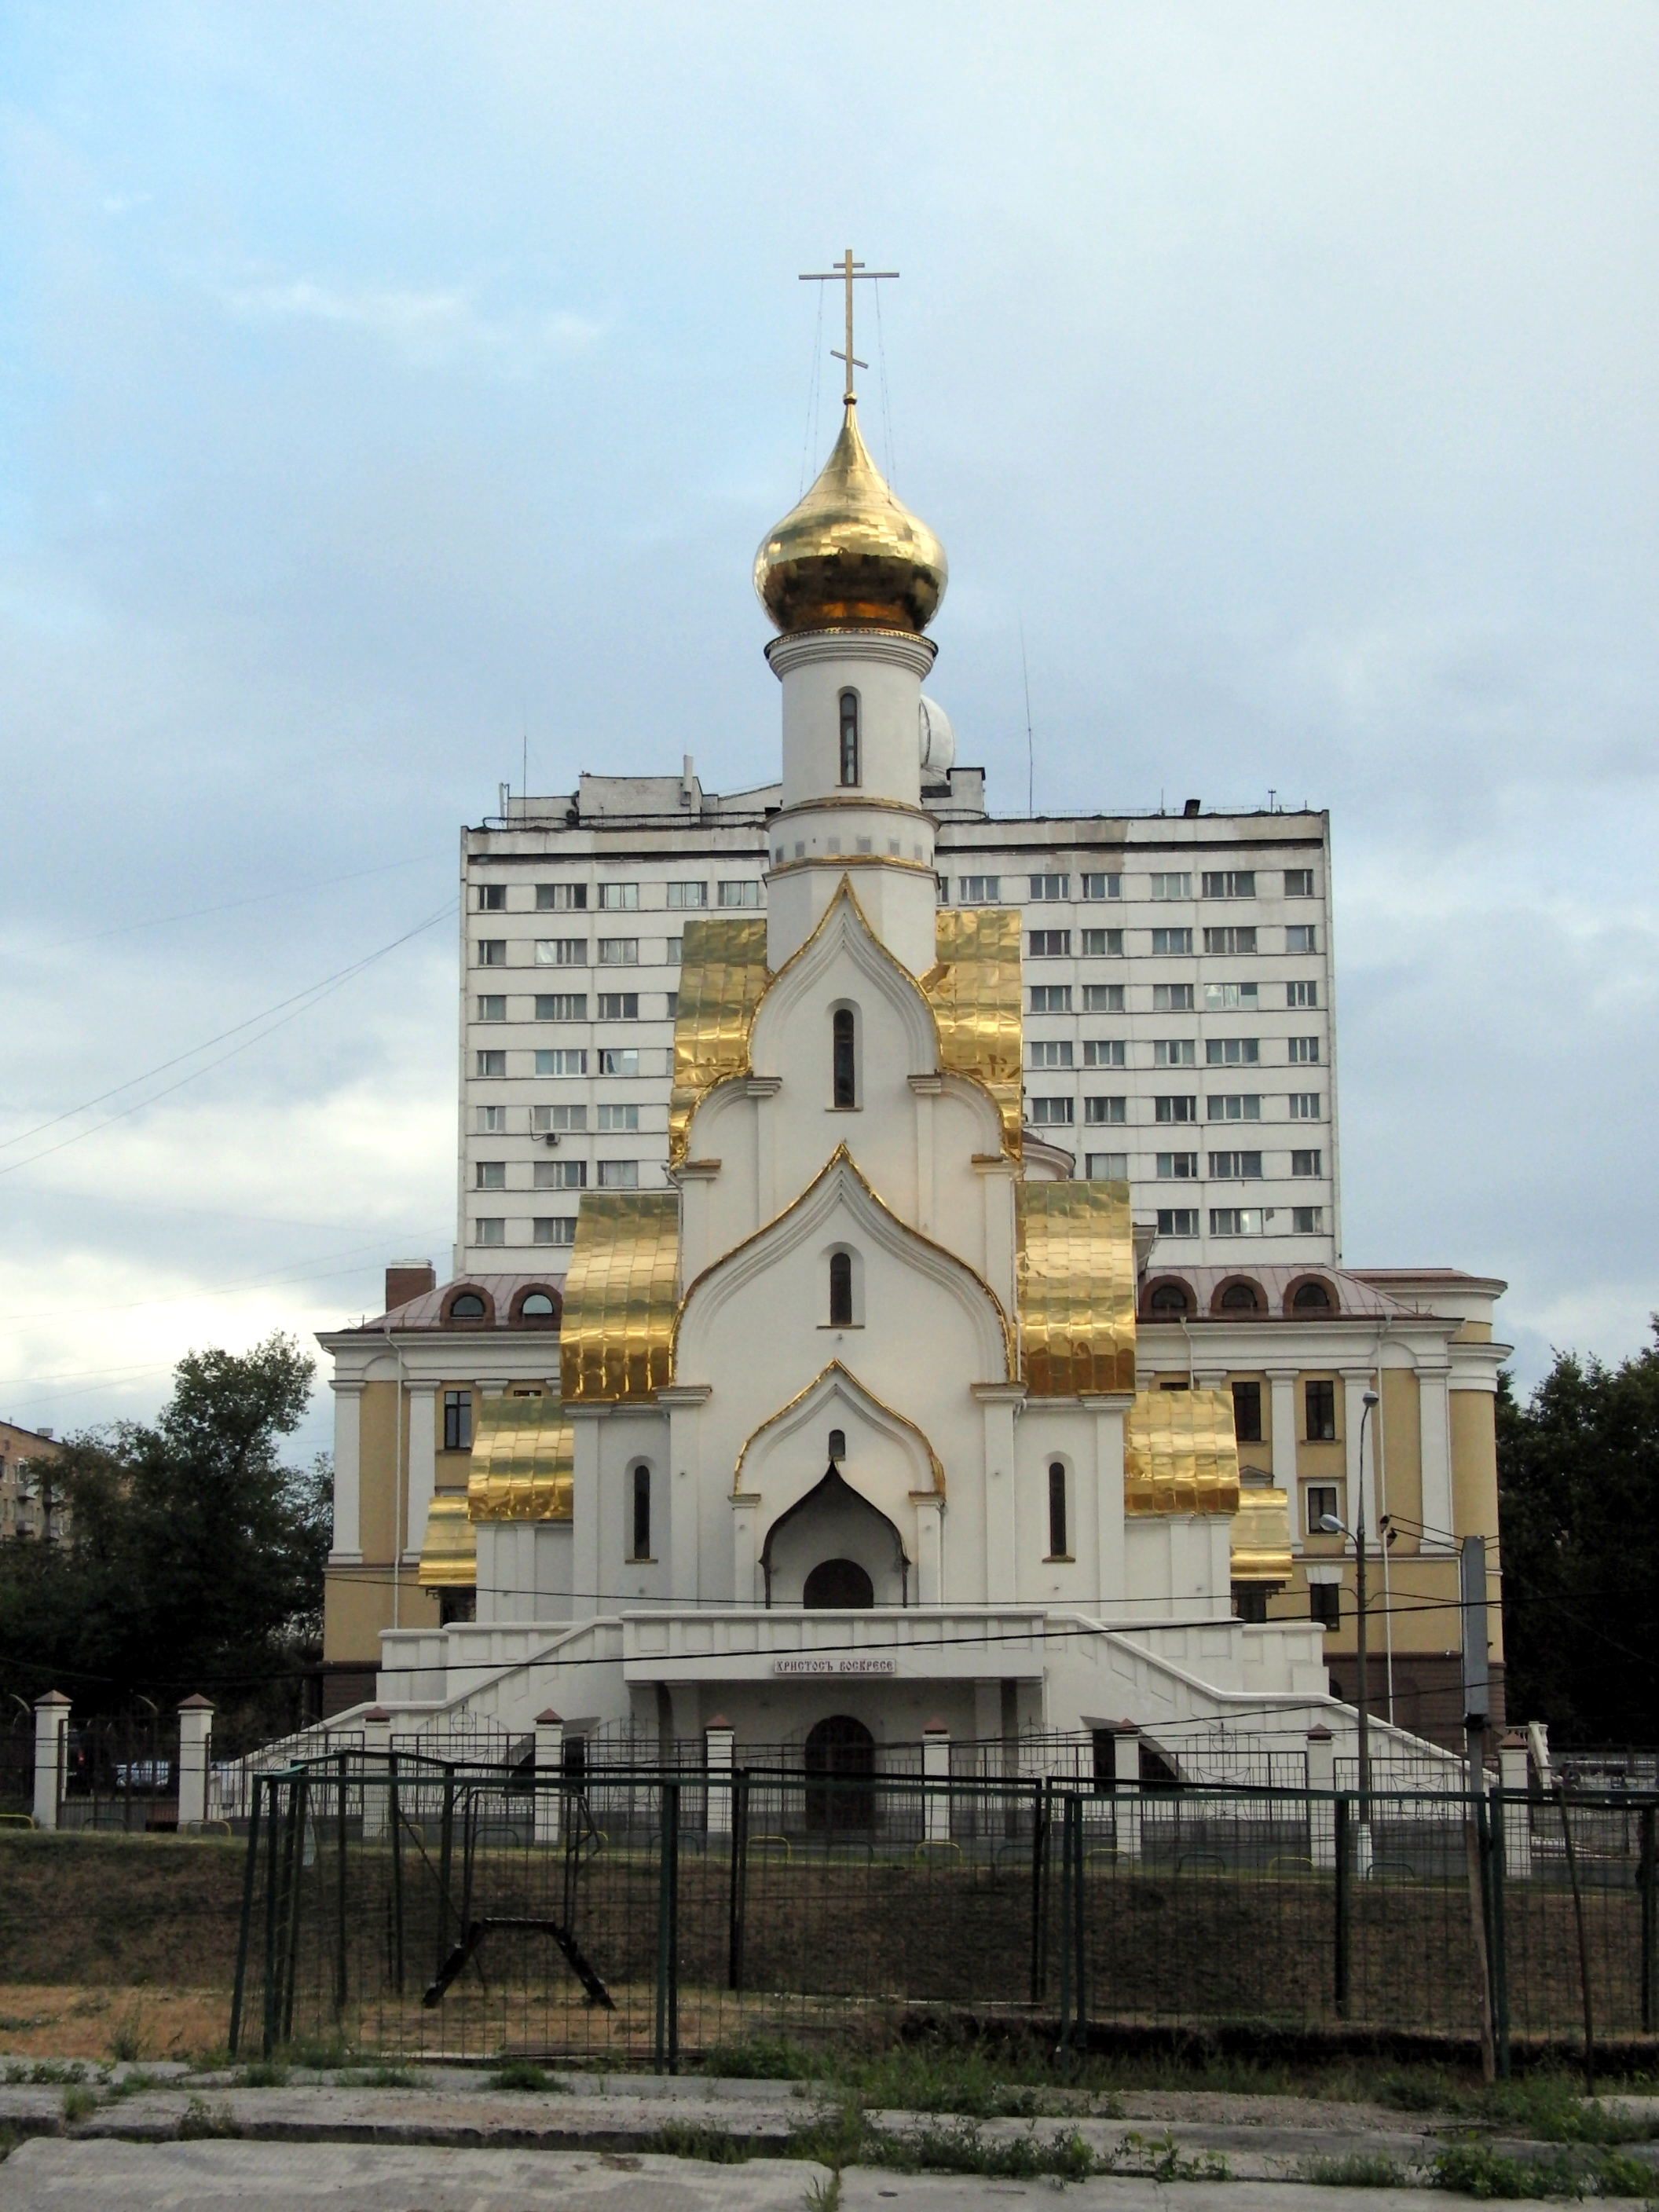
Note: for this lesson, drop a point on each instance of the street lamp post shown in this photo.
(1332, 1527)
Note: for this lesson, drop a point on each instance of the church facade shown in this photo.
(878, 1417)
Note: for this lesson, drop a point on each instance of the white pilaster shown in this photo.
(1434, 1419)
(549, 1777)
(999, 1401)
(1283, 1381)
(930, 1547)
(936, 1770)
(746, 1550)
(1111, 1573)
(1321, 1784)
(926, 1089)
(584, 1511)
(1355, 1383)
(763, 1089)
(1125, 1788)
(51, 1715)
(195, 1738)
(422, 1463)
(683, 1487)
(348, 1546)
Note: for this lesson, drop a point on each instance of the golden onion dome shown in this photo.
(850, 556)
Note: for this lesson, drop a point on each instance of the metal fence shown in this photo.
(645, 1914)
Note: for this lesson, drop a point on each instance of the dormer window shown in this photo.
(849, 737)
(844, 1036)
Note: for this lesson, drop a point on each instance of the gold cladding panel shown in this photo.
(617, 1336)
(1261, 1537)
(449, 1550)
(1180, 1452)
(1077, 1288)
(523, 1459)
(974, 989)
(722, 974)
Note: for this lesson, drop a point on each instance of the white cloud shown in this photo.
(428, 328)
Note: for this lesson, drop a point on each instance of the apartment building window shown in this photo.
(1319, 1405)
(492, 1120)
(490, 1229)
(458, 1420)
(1103, 998)
(619, 1175)
(557, 1120)
(1307, 1220)
(1298, 883)
(671, 951)
(562, 1060)
(492, 1008)
(688, 895)
(1234, 1106)
(1325, 1600)
(619, 952)
(561, 952)
(1105, 1051)
(1232, 1052)
(561, 1005)
(562, 898)
(618, 1061)
(560, 1174)
(1049, 943)
(1100, 1111)
(1172, 998)
(489, 1174)
(1304, 1106)
(1106, 1166)
(492, 898)
(1051, 998)
(1177, 1109)
(1307, 1163)
(1231, 939)
(619, 898)
(1103, 887)
(1177, 1221)
(1305, 1052)
(1301, 937)
(490, 1063)
(1103, 944)
(1178, 886)
(641, 1530)
(1053, 1113)
(1169, 942)
(1231, 998)
(1247, 1412)
(1174, 1052)
(1235, 1221)
(619, 1006)
(1050, 887)
(618, 1119)
(849, 737)
(553, 1229)
(1235, 1167)
(492, 953)
(1177, 1167)
(979, 890)
(1230, 884)
(1054, 1051)
(740, 892)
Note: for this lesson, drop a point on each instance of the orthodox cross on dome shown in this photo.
(848, 272)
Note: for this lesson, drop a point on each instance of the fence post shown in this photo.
(667, 2055)
(1125, 1788)
(1079, 1995)
(195, 1729)
(1322, 1789)
(1517, 1806)
(394, 1815)
(549, 1776)
(1065, 1910)
(1645, 1877)
(377, 1753)
(1342, 1826)
(340, 1894)
(51, 1715)
(247, 1916)
(1497, 1843)
(296, 1865)
(738, 1896)
(446, 1845)
(268, 2041)
(720, 1739)
(1042, 1802)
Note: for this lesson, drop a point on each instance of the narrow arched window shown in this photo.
(1057, 1549)
(849, 737)
(846, 1076)
(642, 1503)
(841, 1289)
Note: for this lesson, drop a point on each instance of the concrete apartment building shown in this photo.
(1177, 1000)
(25, 1510)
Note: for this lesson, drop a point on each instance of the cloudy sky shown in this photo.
(381, 385)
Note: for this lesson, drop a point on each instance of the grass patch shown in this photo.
(203, 2122)
(692, 2139)
(379, 2077)
(264, 2073)
(760, 2059)
(1476, 2170)
(79, 2102)
(1359, 2170)
(521, 2074)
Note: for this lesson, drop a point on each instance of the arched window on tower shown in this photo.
(846, 1062)
(642, 1504)
(1057, 1546)
(841, 1290)
(849, 737)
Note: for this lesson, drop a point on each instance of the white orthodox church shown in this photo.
(845, 1428)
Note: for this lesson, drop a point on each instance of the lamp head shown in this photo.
(1370, 1398)
(1331, 1525)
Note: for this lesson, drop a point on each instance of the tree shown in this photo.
(1578, 1511)
(196, 1557)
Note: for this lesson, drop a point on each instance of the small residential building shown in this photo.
(29, 1506)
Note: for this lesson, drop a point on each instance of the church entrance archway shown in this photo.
(840, 1752)
(840, 1584)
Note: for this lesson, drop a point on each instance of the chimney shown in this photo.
(406, 1279)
